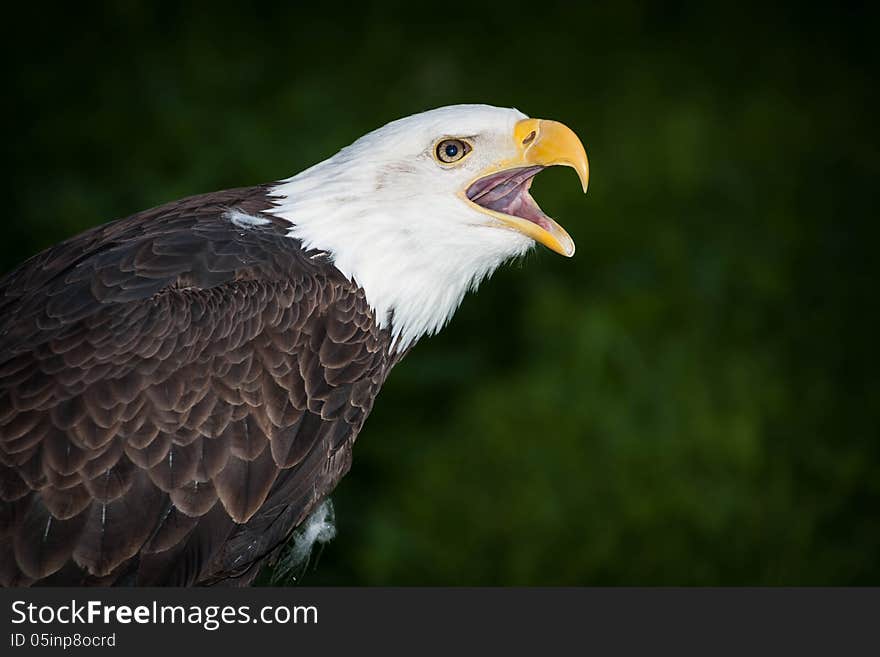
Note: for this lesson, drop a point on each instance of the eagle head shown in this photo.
(421, 210)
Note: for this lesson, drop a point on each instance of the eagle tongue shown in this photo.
(492, 189)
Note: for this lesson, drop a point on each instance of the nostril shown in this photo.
(528, 140)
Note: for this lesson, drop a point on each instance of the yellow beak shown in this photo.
(545, 143)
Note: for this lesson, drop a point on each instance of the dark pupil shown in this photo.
(451, 150)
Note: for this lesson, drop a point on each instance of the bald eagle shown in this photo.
(181, 389)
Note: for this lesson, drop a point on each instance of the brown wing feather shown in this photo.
(176, 395)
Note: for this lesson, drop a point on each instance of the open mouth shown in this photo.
(504, 195)
(503, 192)
(507, 192)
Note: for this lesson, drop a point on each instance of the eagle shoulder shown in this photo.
(177, 392)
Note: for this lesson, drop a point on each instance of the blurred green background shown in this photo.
(692, 399)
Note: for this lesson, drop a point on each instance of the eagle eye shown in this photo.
(451, 150)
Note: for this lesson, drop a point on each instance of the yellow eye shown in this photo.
(452, 150)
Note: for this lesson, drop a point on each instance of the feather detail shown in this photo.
(159, 364)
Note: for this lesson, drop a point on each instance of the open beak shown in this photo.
(502, 190)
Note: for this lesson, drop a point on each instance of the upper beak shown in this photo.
(544, 143)
(549, 143)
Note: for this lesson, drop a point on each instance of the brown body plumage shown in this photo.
(177, 393)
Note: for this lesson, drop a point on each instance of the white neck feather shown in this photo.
(406, 249)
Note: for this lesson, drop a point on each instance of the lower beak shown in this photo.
(541, 143)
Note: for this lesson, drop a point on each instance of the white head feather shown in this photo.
(393, 221)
